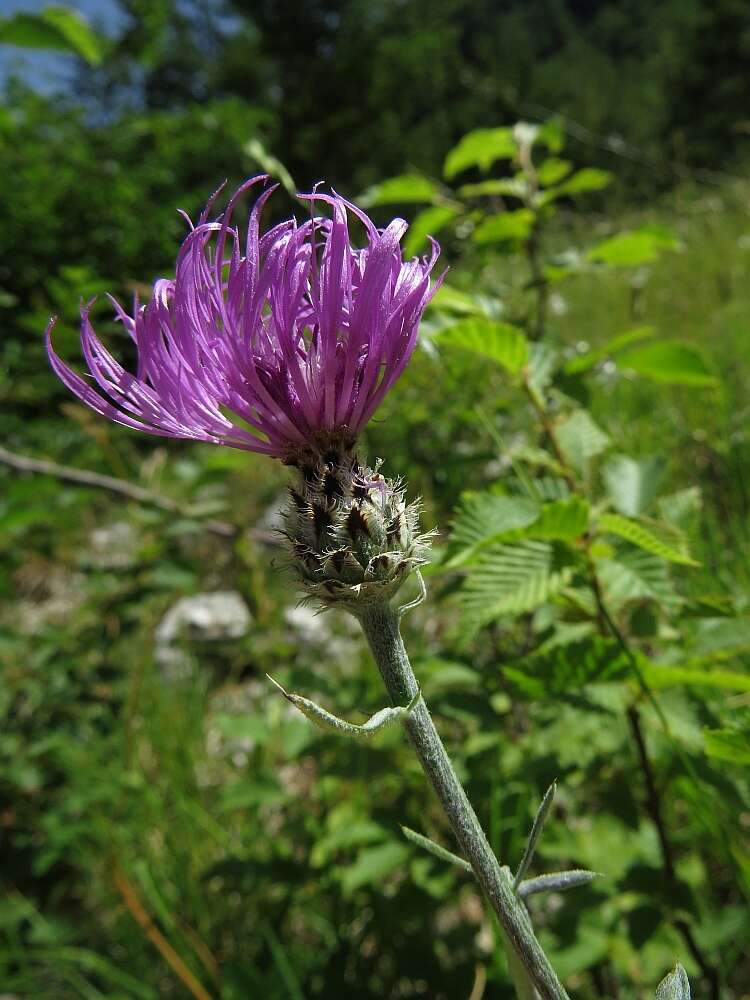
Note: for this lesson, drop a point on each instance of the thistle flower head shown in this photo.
(283, 343)
(353, 537)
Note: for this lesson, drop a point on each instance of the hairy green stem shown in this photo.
(380, 623)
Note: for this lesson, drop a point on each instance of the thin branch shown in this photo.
(85, 477)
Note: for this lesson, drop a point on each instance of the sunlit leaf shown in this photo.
(732, 745)
(428, 222)
(501, 342)
(634, 248)
(404, 189)
(373, 864)
(487, 516)
(515, 187)
(562, 520)
(654, 536)
(511, 579)
(505, 226)
(552, 170)
(583, 362)
(54, 28)
(632, 483)
(481, 149)
(675, 986)
(581, 439)
(671, 362)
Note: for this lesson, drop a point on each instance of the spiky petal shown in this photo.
(276, 343)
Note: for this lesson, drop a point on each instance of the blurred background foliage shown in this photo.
(577, 416)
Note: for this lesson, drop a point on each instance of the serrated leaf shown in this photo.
(570, 668)
(581, 439)
(675, 986)
(480, 148)
(731, 745)
(584, 362)
(373, 864)
(562, 520)
(505, 226)
(636, 575)
(400, 190)
(634, 248)
(501, 342)
(484, 516)
(54, 28)
(632, 483)
(428, 222)
(670, 362)
(681, 507)
(541, 367)
(654, 536)
(511, 579)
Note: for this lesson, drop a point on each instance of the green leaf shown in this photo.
(257, 152)
(675, 986)
(671, 362)
(373, 864)
(426, 223)
(542, 364)
(485, 516)
(584, 362)
(660, 676)
(552, 170)
(681, 508)
(54, 28)
(453, 300)
(581, 439)
(569, 668)
(515, 187)
(404, 189)
(561, 520)
(731, 745)
(634, 248)
(632, 483)
(654, 536)
(516, 225)
(635, 575)
(501, 342)
(583, 181)
(511, 579)
(481, 149)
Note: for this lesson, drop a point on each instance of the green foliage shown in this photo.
(671, 362)
(675, 986)
(54, 28)
(493, 339)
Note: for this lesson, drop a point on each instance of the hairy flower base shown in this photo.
(353, 536)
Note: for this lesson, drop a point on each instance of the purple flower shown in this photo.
(272, 343)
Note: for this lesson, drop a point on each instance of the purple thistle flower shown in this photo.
(295, 332)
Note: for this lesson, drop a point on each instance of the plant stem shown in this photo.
(380, 623)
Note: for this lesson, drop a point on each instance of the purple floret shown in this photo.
(270, 343)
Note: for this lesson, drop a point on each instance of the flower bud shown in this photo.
(353, 536)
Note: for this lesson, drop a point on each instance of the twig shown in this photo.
(654, 806)
(85, 477)
(156, 937)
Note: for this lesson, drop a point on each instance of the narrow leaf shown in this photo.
(436, 849)
(556, 882)
(536, 831)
